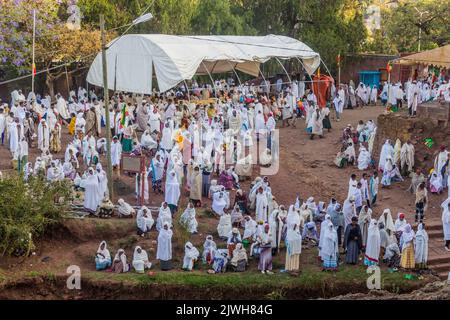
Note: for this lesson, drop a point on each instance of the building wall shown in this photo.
(352, 64)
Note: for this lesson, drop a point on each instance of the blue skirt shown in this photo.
(102, 265)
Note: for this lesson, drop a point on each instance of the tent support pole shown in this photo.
(234, 70)
(326, 68)
(212, 80)
(290, 81)
(262, 75)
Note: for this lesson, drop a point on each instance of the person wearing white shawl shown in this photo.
(364, 219)
(400, 223)
(421, 247)
(91, 192)
(363, 158)
(323, 230)
(147, 142)
(209, 250)
(43, 135)
(330, 249)
(407, 246)
(27, 171)
(172, 191)
(125, 209)
(219, 202)
(293, 248)
(120, 264)
(144, 221)
(407, 158)
(188, 220)
(190, 256)
(349, 210)
(164, 250)
(102, 180)
(387, 221)
(250, 227)
(140, 260)
(224, 227)
(116, 152)
(239, 260)
(436, 185)
(372, 253)
(102, 257)
(387, 151)
(164, 216)
(397, 151)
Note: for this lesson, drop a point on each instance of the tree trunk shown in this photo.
(49, 81)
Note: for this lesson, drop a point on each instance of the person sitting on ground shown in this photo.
(188, 220)
(220, 261)
(125, 210)
(144, 221)
(237, 218)
(234, 238)
(209, 250)
(105, 210)
(392, 255)
(190, 256)
(310, 232)
(120, 264)
(102, 257)
(140, 260)
(240, 259)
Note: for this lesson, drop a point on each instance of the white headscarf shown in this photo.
(190, 251)
(293, 218)
(164, 251)
(140, 256)
(373, 241)
(421, 247)
(293, 240)
(407, 236)
(105, 251)
(387, 221)
(330, 244)
(123, 259)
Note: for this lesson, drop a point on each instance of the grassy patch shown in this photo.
(309, 278)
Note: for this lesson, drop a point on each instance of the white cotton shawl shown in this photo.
(373, 241)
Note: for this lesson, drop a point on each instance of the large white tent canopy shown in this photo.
(131, 58)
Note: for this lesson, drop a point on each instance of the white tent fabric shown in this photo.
(177, 58)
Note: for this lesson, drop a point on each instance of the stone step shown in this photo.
(443, 275)
(442, 267)
(439, 258)
(435, 234)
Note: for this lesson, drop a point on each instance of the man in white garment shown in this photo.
(413, 98)
(261, 205)
(407, 158)
(15, 135)
(116, 152)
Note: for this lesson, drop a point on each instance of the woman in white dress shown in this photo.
(421, 247)
(91, 192)
(140, 260)
(188, 220)
(164, 216)
(225, 226)
(190, 256)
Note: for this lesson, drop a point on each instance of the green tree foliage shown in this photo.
(328, 27)
(218, 18)
(401, 25)
(27, 210)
